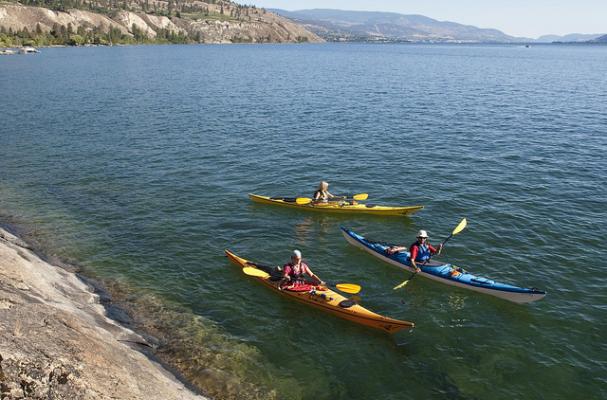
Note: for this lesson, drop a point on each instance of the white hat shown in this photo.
(422, 234)
(297, 253)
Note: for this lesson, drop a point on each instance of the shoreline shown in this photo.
(58, 338)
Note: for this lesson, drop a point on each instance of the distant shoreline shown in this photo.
(530, 44)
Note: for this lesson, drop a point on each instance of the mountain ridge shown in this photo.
(568, 38)
(339, 25)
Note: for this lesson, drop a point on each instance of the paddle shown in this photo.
(358, 197)
(344, 287)
(460, 227)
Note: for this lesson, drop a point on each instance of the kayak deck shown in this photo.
(446, 273)
(335, 207)
(329, 301)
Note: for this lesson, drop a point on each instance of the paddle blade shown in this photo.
(460, 227)
(401, 285)
(360, 196)
(348, 288)
(255, 272)
(303, 200)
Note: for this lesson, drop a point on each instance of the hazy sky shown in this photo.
(529, 18)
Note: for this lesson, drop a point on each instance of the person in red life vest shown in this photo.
(294, 273)
(420, 251)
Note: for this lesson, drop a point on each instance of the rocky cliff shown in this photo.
(192, 21)
(57, 343)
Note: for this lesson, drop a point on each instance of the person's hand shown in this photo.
(417, 269)
(389, 250)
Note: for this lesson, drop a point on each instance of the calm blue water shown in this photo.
(135, 162)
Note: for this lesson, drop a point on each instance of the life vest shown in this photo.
(423, 252)
(322, 196)
(298, 276)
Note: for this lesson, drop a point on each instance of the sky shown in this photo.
(526, 18)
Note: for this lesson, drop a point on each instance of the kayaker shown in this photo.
(322, 195)
(295, 272)
(420, 251)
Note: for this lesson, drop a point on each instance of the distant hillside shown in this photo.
(81, 22)
(601, 39)
(572, 37)
(338, 25)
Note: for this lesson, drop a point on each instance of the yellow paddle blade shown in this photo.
(303, 200)
(401, 285)
(361, 196)
(348, 288)
(460, 227)
(255, 272)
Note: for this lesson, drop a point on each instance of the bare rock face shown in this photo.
(18, 17)
(57, 343)
(258, 27)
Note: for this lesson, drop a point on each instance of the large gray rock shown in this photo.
(57, 343)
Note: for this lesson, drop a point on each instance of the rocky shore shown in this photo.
(56, 341)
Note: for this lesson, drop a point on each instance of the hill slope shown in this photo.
(103, 21)
(372, 26)
(602, 39)
(572, 37)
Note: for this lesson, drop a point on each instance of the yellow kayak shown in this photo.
(336, 207)
(329, 301)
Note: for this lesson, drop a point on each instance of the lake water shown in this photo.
(135, 163)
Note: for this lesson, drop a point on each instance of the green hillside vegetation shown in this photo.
(211, 10)
(170, 8)
(60, 35)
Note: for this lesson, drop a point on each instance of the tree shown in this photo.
(38, 29)
(55, 30)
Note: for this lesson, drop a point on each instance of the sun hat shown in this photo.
(297, 253)
(422, 234)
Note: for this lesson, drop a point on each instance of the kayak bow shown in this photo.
(446, 273)
(329, 301)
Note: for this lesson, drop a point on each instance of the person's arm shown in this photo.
(285, 276)
(395, 249)
(316, 195)
(314, 276)
(434, 250)
(412, 257)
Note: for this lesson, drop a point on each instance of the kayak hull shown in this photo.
(339, 209)
(329, 301)
(446, 273)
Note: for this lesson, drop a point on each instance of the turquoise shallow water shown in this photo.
(135, 163)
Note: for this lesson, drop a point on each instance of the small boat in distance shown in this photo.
(28, 50)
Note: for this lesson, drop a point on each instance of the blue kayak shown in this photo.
(446, 273)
